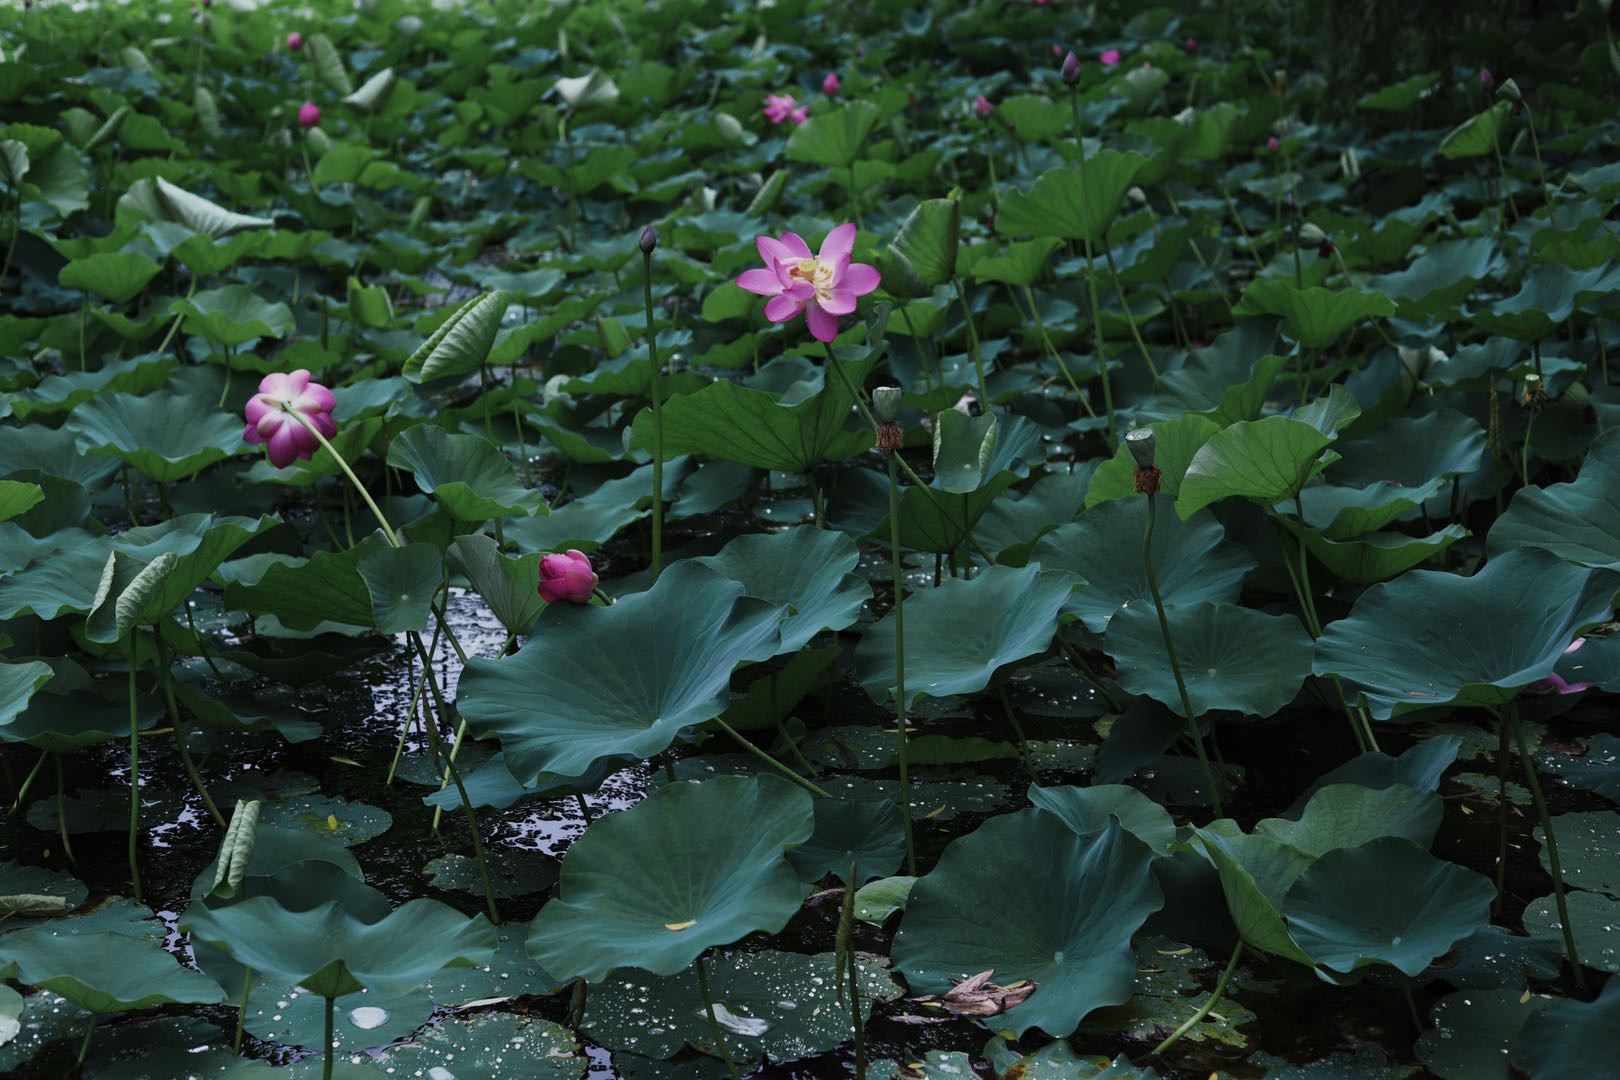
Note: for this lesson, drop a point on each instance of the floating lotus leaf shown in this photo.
(652, 887)
(620, 681)
(1070, 202)
(806, 570)
(1431, 638)
(1571, 1040)
(1594, 919)
(1588, 850)
(1194, 563)
(103, 972)
(1028, 897)
(468, 476)
(233, 315)
(1473, 1031)
(1349, 815)
(961, 633)
(1267, 460)
(1578, 521)
(489, 1044)
(1385, 902)
(1231, 657)
(1313, 316)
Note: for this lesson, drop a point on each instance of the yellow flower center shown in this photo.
(818, 274)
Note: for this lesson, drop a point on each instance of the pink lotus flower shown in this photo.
(1273, 144)
(270, 418)
(295, 41)
(779, 107)
(1555, 683)
(1486, 78)
(800, 115)
(823, 286)
(982, 106)
(567, 577)
(829, 85)
(1057, 50)
(1109, 57)
(309, 114)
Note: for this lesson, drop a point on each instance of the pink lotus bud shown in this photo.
(829, 85)
(1486, 78)
(1071, 69)
(273, 415)
(1110, 58)
(309, 114)
(1191, 45)
(1273, 144)
(982, 106)
(799, 115)
(295, 41)
(1057, 50)
(778, 107)
(566, 577)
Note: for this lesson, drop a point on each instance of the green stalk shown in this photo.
(1209, 1003)
(461, 737)
(1130, 317)
(28, 782)
(658, 424)
(1552, 842)
(179, 732)
(61, 811)
(326, 1069)
(1018, 730)
(743, 741)
(241, 1009)
(1502, 752)
(1091, 284)
(1040, 324)
(134, 778)
(1175, 661)
(84, 1047)
(714, 1021)
(900, 661)
(973, 344)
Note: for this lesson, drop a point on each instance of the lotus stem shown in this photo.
(1175, 661)
(416, 702)
(973, 345)
(900, 662)
(1209, 1003)
(90, 1029)
(1018, 730)
(241, 1009)
(179, 732)
(1529, 763)
(1091, 282)
(61, 812)
(1083, 669)
(326, 1068)
(714, 1021)
(1046, 339)
(28, 781)
(1502, 752)
(1130, 317)
(766, 758)
(658, 420)
(1411, 1003)
(134, 780)
(461, 737)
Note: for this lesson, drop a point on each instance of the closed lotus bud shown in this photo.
(309, 114)
(295, 41)
(1534, 391)
(1510, 91)
(982, 106)
(1312, 236)
(1071, 69)
(886, 403)
(1273, 144)
(1142, 443)
(649, 240)
(568, 576)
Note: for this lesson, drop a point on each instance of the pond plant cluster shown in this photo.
(698, 538)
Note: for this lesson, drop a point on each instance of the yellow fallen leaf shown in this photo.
(687, 925)
(332, 822)
(1524, 997)
(1174, 952)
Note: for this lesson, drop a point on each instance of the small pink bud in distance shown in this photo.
(295, 41)
(829, 85)
(1486, 78)
(309, 114)
(1273, 144)
(567, 577)
(1191, 45)
(1110, 57)
(982, 106)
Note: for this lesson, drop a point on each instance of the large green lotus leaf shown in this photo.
(487, 1044)
(864, 832)
(1550, 294)
(468, 476)
(1376, 556)
(1349, 815)
(1473, 1031)
(303, 593)
(167, 436)
(462, 342)
(1412, 451)
(781, 1006)
(1571, 1040)
(510, 586)
(1020, 263)
(1385, 902)
(1088, 811)
(1477, 135)
(589, 522)
(1578, 521)
(103, 972)
(1433, 638)
(1232, 657)
(834, 139)
(233, 315)
(1063, 910)
(929, 238)
(199, 542)
(1178, 442)
(1587, 844)
(67, 391)
(963, 446)
(1069, 202)
(1013, 524)
(1594, 920)
(1439, 279)
(1267, 460)
(158, 200)
(402, 582)
(805, 569)
(1256, 873)
(1224, 381)
(1313, 316)
(1192, 558)
(52, 450)
(332, 953)
(960, 633)
(1399, 97)
(939, 520)
(117, 276)
(17, 684)
(620, 681)
(652, 887)
(1343, 513)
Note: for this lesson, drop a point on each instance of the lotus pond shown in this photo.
(692, 538)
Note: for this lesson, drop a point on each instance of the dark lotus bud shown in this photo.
(1146, 481)
(1141, 443)
(1071, 69)
(890, 436)
(1327, 248)
(649, 240)
(886, 403)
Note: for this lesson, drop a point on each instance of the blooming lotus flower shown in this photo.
(295, 41)
(1109, 58)
(309, 114)
(829, 85)
(567, 577)
(1273, 144)
(823, 286)
(982, 106)
(270, 418)
(1555, 683)
(778, 107)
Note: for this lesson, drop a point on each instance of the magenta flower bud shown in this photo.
(982, 106)
(295, 41)
(1071, 69)
(822, 286)
(567, 577)
(1057, 50)
(1273, 144)
(649, 240)
(271, 418)
(1191, 45)
(1486, 78)
(309, 114)
(799, 115)
(1110, 58)
(829, 85)
(778, 107)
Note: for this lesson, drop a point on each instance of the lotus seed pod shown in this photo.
(649, 240)
(1141, 443)
(1534, 391)
(886, 403)
(1145, 481)
(1311, 236)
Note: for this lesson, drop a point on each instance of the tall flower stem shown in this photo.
(1502, 752)
(1207, 1007)
(714, 1021)
(134, 777)
(658, 420)
(1554, 865)
(1175, 661)
(326, 1067)
(900, 661)
(753, 749)
(61, 812)
(973, 344)
(1091, 282)
(190, 766)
